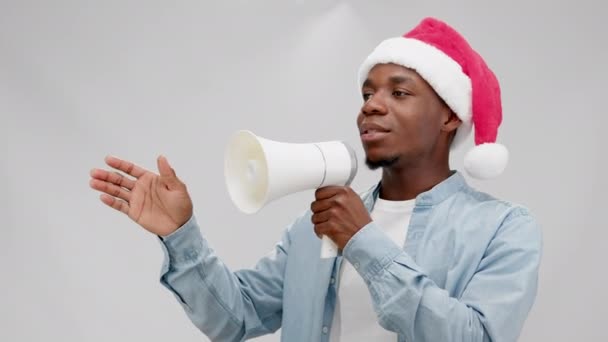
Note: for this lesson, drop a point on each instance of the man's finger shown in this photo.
(125, 166)
(328, 192)
(115, 203)
(110, 189)
(325, 228)
(321, 205)
(321, 217)
(113, 177)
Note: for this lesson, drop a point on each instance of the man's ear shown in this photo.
(451, 123)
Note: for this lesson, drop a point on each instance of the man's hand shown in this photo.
(159, 203)
(339, 213)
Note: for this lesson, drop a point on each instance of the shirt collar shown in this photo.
(437, 194)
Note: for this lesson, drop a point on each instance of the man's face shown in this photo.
(401, 118)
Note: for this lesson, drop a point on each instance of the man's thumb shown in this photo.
(167, 174)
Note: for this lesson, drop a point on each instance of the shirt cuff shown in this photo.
(184, 245)
(370, 251)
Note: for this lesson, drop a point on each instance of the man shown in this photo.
(424, 256)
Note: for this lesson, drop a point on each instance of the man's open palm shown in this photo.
(159, 203)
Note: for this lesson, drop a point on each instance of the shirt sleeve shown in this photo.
(224, 305)
(493, 307)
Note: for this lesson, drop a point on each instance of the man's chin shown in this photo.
(376, 164)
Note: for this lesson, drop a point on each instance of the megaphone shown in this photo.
(258, 171)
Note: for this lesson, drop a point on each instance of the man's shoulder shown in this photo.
(486, 217)
(473, 199)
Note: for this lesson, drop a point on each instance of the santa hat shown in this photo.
(461, 78)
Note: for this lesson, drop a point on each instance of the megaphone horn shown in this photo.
(258, 171)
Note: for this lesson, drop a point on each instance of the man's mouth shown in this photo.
(372, 132)
(373, 135)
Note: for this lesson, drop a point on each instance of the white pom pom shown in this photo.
(486, 161)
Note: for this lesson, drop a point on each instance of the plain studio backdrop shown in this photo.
(83, 79)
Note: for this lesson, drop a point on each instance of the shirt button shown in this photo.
(332, 280)
(325, 330)
(356, 265)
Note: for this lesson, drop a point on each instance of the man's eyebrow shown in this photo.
(400, 79)
(392, 79)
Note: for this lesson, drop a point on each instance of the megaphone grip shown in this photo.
(328, 248)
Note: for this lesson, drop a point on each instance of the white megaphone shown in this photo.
(259, 170)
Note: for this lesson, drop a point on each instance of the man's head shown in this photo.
(402, 120)
(451, 82)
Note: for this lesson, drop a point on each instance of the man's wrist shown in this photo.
(185, 243)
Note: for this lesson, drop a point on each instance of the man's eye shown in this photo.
(399, 93)
(366, 96)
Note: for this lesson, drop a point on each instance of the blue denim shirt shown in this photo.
(467, 272)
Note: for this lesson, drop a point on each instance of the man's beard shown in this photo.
(376, 164)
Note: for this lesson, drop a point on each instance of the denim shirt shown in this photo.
(467, 272)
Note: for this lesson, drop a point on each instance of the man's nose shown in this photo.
(375, 105)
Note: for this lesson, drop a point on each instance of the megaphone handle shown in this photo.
(328, 248)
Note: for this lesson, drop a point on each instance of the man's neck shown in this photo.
(400, 184)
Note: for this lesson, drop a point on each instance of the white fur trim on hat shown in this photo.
(441, 72)
(486, 161)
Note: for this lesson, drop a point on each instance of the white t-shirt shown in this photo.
(354, 316)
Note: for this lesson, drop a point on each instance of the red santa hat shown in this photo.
(459, 75)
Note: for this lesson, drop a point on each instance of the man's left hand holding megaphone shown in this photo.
(339, 213)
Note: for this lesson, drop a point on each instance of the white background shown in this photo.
(83, 79)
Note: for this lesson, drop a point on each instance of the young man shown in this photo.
(424, 256)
